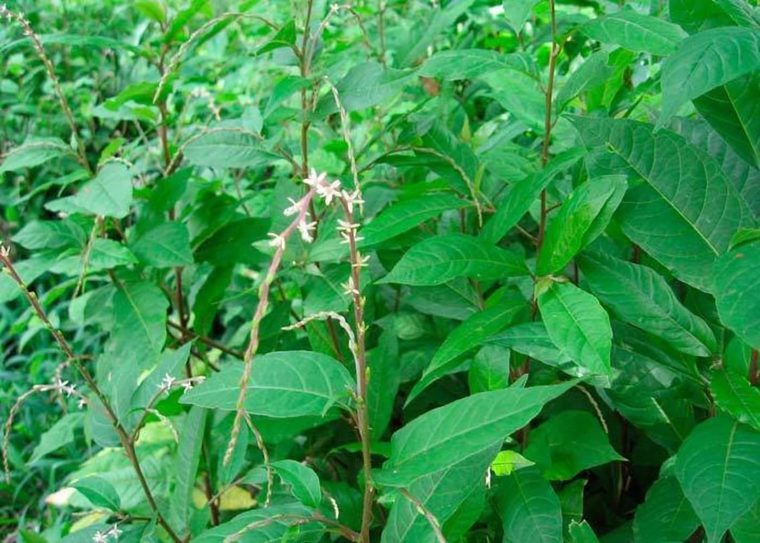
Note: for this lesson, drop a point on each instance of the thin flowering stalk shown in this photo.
(265, 453)
(278, 241)
(40, 50)
(76, 362)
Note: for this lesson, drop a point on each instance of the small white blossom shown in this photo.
(314, 180)
(114, 532)
(352, 199)
(349, 288)
(167, 382)
(100, 537)
(305, 229)
(81, 403)
(361, 261)
(334, 8)
(345, 226)
(277, 240)
(328, 191)
(5, 250)
(295, 207)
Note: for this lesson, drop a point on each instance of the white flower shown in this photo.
(100, 537)
(349, 288)
(114, 532)
(361, 261)
(305, 229)
(187, 385)
(296, 207)
(352, 199)
(82, 402)
(167, 382)
(345, 226)
(277, 240)
(314, 179)
(5, 250)
(334, 8)
(328, 191)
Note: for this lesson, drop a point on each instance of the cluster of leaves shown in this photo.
(544, 325)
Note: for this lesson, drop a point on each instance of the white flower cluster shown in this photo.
(103, 537)
(169, 382)
(5, 250)
(5, 12)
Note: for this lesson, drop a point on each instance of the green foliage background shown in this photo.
(554, 336)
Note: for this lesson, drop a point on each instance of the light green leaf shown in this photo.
(592, 73)
(109, 194)
(34, 152)
(186, 465)
(581, 218)
(283, 384)
(636, 32)
(470, 63)
(272, 525)
(50, 235)
(737, 291)
(686, 212)
(405, 215)
(302, 480)
(529, 508)
(461, 429)
(165, 246)
(99, 492)
(719, 470)
(524, 193)
(440, 18)
(440, 259)
(139, 330)
(489, 369)
(60, 434)
(508, 461)
(641, 297)
(228, 148)
(152, 9)
(365, 85)
(705, 61)
(385, 377)
(531, 339)
(666, 515)
(578, 325)
(442, 493)
(568, 443)
(465, 337)
(734, 395)
(517, 12)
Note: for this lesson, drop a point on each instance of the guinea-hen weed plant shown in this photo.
(393, 271)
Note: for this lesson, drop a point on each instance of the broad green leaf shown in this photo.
(183, 17)
(60, 434)
(152, 9)
(442, 17)
(734, 395)
(104, 254)
(99, 492)
(139, 330)
(581, 532)
(524, 193)
(636, 32)
(686, 212)
(719, 470)
(592, 73)
(517, 12)
(264, 525)
(365, 85)
(186, 466)
(508, 461)
(580, 219)
(529, 508)
(696, 15)
(208, 300)
(665, 515)
(461, 429)
(531, 339)
(737, 291)
(440, 259)
(34, 152)
(734, 112)
(109, 194)
(456, 299)
(470, 63)
(571, 502)
(465, 337)
(228, 148)
(284, 37)
(578, 325)
(283, 384)
(385, 377)
(232, 243)
(489, 369)
(705, 61)
(743, 13)
(405, 215)
(302, 480)
(442, 493)
(50, 235)
(568, 443)
(164, 246)
(746, 529)
(641, 297)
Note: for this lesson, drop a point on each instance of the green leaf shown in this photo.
(531, 339)
(50, 235)
(641, 297)
(581, 532)
(529, 508)
(365, 85)
(59, 435)
(139, 329)
(489, 369)
(524, 193)
(568, 443)
(165, 246)
(461, 429)
(285, 37)
(734, 395)
(460, 64)
(109, 194)
(465, 337)
(508, 461)
(719, 471)
(666, 514)
(578, 325)
(283, 384)
(442, 493)
(517, 12)
(303, 481)
(686, 212)
(582, 218)
(152, 9)
(34, 152)
(737, 291)
(442, 17)
(734, 112)
(636, 32)
(385, 377)
(272, 525)
(228, 148)
(696, 15)
(705, 61)
(186, 465)
(592, 73)
(99, 492)
(746, 529)
(232, 243)
(440, 259)
(405, 215)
